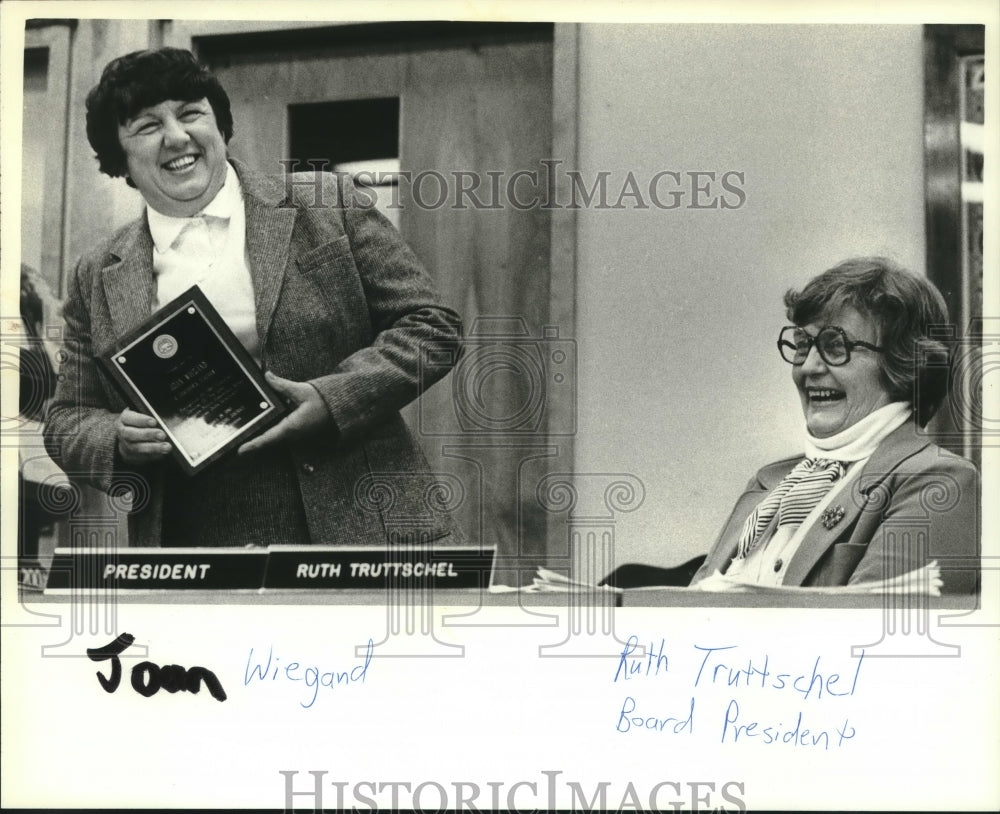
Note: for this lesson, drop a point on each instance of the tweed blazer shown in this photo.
(912, 503)
(341, 302)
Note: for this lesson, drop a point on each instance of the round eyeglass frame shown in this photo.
(849, 345)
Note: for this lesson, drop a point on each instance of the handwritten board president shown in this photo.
(317, 286)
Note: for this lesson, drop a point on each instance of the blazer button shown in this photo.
(777, 564)
(308, 468)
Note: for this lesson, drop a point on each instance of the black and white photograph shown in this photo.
(526, 407)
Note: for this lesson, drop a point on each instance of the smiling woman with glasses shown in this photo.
(872, 497)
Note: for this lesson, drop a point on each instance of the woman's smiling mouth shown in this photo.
(182, 163)
(818, 395)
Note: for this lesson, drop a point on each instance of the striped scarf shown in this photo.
(792, 500)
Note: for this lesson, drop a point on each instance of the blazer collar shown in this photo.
(268, 190)
(270, 219)
(901, 444)
(128, 277)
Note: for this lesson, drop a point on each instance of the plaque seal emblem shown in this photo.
(164, 346)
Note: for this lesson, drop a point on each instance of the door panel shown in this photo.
(476, 103)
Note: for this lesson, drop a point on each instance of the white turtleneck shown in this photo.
(767, 563)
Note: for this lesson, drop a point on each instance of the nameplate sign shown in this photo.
(322, 567)
(156, 569)
(186, 369)
(275, 567)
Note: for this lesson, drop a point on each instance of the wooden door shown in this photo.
(474, 100)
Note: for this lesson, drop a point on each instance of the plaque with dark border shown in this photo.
(156, 569)
(346, 567)
(186, 368)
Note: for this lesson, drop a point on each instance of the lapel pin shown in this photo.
(831, 517)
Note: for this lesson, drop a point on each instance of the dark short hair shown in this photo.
(142, 79)
(903, 306)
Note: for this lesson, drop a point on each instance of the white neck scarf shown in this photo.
(859, 440)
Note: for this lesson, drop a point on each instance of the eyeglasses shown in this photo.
(832, 343)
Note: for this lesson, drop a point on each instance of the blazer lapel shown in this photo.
(268, 238)
(819, 538)
(900, 444)
(726, 544)
(128, 279)
(722, 555)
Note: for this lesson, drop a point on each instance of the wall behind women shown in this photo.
(678, 311)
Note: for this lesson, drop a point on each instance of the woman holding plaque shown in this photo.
(872, 498)
(316, 285)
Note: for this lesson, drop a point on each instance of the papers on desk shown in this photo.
(552, 582)
(923, 581)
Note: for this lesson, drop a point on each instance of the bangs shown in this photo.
(822, 304)
(130, 99)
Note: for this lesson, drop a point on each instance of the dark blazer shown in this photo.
(912, 503)
(341, 302)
